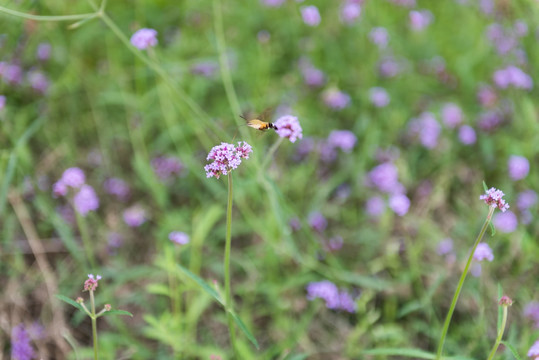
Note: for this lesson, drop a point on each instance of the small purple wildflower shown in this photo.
(379, 36)
(347, 303)
(342, 139)
(92, 282)
(520, 28)
(389, 67)
(490, 120)
(505, 222)
(134, 216)
(531, 311)
(493, 197)
(2, 101)
(11, 73)
(335, 243)
(59, 188)
(375, 206)
(317, 221)
(505, 301)
(420, 19)
(288, 127)
(272, 3)
(312, 76)
(327, 151)
(486, 6)
(350, 12)
(144, 38)
(118, 188)
(399, 203)
(73, 177)
(451, 115)
(483, 252)
(445, 246)
(38, 81)
(329, 292)
(379, 97)
(43, 51)
(486, 96)
(166, 167)
(179, 237)
(384, 176)
(205, 68)
(310, 15)
(427, 129)
(86, 200)
(526, 199)
(518, 167)
(512, 76)
(534, 350)
(226, 157)
(336, 99)
(467, 135)
(21, 349)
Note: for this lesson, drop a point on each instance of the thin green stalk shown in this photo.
(94, 323)
(500, 334)
(86, 241)
(461, 283)
(270, 153)
(46, 17)
(228, 291)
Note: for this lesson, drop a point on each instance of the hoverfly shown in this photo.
(258, 122)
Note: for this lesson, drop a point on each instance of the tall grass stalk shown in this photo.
(461, 283)
(228, 290)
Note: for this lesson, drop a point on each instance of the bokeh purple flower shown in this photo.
(467, 135)
(85, 200)
(379, 36)
(518, 167)
(21, 349)
(389, 67)
(118, 188)
(526, 199)
(375, 206)
(385, 177)
(427, 128)
(11, 73)
(335, 243)
(226, 157)
(205, 68)
(494, 198)
(144, 38)
(342, 139)
(420, 19)
(310, 15)
(288, 127)
(534, 350)
(38, 81)
(399, 203)
(2, 101)
(43, 51)
(379, 97)
(445, 246)
(165, 167)
(512, 76)
(336, 99)
(312, 76)
(134, 216)
(483, 252)
(179, 237)
(317, 221)
(531, 311)
(486, 96)
(272, 3)
(73, 177)
(490, 120)
(451, 115)
(505, 222)
(350, 12)
(328, 291)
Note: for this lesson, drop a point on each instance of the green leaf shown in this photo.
(70, 301)
(513, 350)
(117, 312)
(485, 186)
(207, 288)
(244, 329)
(500, 308)
(492, 229)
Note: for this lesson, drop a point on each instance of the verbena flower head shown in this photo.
(350, 11)
(86, 200)
(420, 19)
(134, 216)
(399, 203)
(379, 36)
(526, 199)
(427, 129)
(328, 291)
(506, 301)
(167, 166)
(59, 188)
(518, 167)
(385, 177)
(505, 222)
(310, 15)
(531, 311)
(379, 97)
(486, 96)
(117, 187)
(512, 76)
(288, 127)
(92, 282)
(44, 51)
(73, 177)
(467, 135)
(205, 68)
(21, 349)
(375, 206)
(336, 243)
(144, 38)
(534, 351)
(11, 73)
(483, 252)
(179, 237)
(317, 221)
(445, 246)
(336, 99)
(451, 115)
(493, 197)
(38, 81)
(312, 76)
(226, 157)
(343, 139)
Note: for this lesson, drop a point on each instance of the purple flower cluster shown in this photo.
(85, 199)
(342, 139)
(91, 283)
(2, 101)
(317, 221)
(505, 222)
(427, 129)
(385, 178)
(312, 76)
(117, 187)
(21, 349)
(531, 311)
(379, 36)
(226, 157)
(134, 216)
(288, 127)
(483, 252)
(420, 19)
(179, 237)
(494, 198)
(350, 11)
(11, 73)
(518, 167)
(310, 15)
(166, 167)
(379, 97)
(451, 115)
(335, 299)
(467, 135)
(205, 68)
(526, 199)
(144, 38)
(336, 99)
(534, 351)
(490, 120)
(43, 51)
(512, 76)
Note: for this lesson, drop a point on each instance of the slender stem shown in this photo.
(500, 334)
(228, 291)
(46, 17)
(94, 323)
(86, 242)
(270, 153)
(461, 283)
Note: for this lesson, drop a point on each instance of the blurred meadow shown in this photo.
(346, 244)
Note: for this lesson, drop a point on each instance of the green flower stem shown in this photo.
(500, 334)
(270, 153)
(461, 283)
(46, 17)
(94, 323)
(86, 241)
(228, 293)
